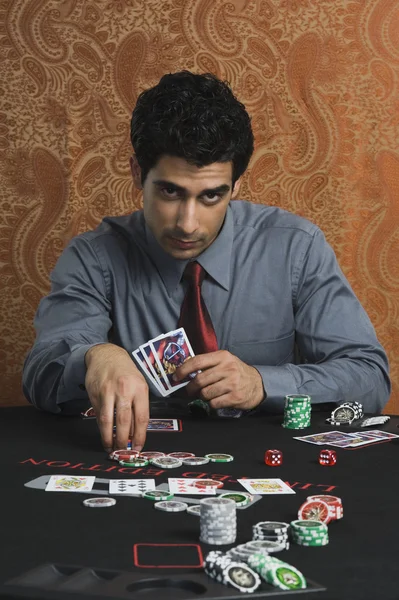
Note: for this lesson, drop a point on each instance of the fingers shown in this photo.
(104, 409)
(141, 415)
(197, 363)
(123, 421)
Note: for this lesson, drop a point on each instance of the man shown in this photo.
(272, 286)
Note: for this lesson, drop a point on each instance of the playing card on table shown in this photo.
(70, 483)
(164, 425)
(187, 486)
(329, 438)
(265, 486)
(131, 487)
(170, 351)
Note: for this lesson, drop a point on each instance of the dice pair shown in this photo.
(274, 458)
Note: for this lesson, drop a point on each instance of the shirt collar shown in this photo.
(215, 259)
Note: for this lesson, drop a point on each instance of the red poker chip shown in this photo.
(208, 483)
(181, 454)
(126, 455)
(152, 454)
(314, 510)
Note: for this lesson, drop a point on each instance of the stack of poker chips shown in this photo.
(224, 569)
(297, 411)
(272, 533)
(309, 533)
(276, 572)
(218, 521)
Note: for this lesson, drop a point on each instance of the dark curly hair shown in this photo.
(194, 117)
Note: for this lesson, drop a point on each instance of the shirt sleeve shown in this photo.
(74, 317)
(341, 359)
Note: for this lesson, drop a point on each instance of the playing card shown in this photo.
(329, 437)
(265, 486)
(187, 486)
(131, 487)
(139, 356)
(164, 425)
(70, 483)
(383, 435)
(171, 351)
(150, 359)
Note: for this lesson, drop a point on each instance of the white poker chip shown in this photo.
(195, 460)
(194, 510)
(103, 502)
(166, 462)
(171, 506)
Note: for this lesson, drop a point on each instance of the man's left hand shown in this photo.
(225, 381)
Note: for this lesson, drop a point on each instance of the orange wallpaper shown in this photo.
(320, 79)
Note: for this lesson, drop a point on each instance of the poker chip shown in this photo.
(136, 462)
(181, 455)
(198, 408)
(240, 498)
(277, 572)
(194, 510)
(297, 411)
(309, 533)
(220, 457)
(157, 495)
(166, 462)
(334, 505)
(171, 506)
(218, 521)
(151, 454)
(207, 483)
(127, 455)
(195, 460)
(273, 534)
(103, 502)
(226, 570)
(314, 510)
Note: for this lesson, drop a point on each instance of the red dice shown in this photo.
(327, 458)
(273, 458)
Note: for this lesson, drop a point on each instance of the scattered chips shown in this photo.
(158, 495)
(195, 460)
(166, 462)
(181, 455)
(220, 457)
(103, 502)
(136, 462)
(171, 506)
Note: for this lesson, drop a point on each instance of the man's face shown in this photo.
(185, 205)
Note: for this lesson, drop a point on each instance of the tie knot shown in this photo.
(194, 273)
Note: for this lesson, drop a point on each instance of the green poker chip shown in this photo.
(158, 495)
(137, 462)
(218, 458)
(240, 498)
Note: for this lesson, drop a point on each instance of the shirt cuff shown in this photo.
(73, 379)
(277, 383)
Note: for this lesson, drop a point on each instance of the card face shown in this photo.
(170, 352)
(145, 367)
(69, 483)
(329, 437)
(383, 435)
(130, 487)
(265, 486)
(164, 425)
(150, 359)
(187, 486)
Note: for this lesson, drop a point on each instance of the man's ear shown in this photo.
(136, 172)
(236, 188)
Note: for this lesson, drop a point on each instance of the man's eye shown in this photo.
(212, 197)
(168, 191)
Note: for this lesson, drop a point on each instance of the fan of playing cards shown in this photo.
(160, 357)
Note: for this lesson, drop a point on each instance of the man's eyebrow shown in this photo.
(220, 189)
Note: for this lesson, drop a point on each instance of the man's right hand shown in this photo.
(114, 383)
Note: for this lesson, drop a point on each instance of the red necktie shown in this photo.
(195, 319)
(194, 315)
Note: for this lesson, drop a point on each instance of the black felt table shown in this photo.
(41, 528)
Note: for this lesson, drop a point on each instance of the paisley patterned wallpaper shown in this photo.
(320, 79)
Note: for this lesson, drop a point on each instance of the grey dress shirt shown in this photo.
(276, 295)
